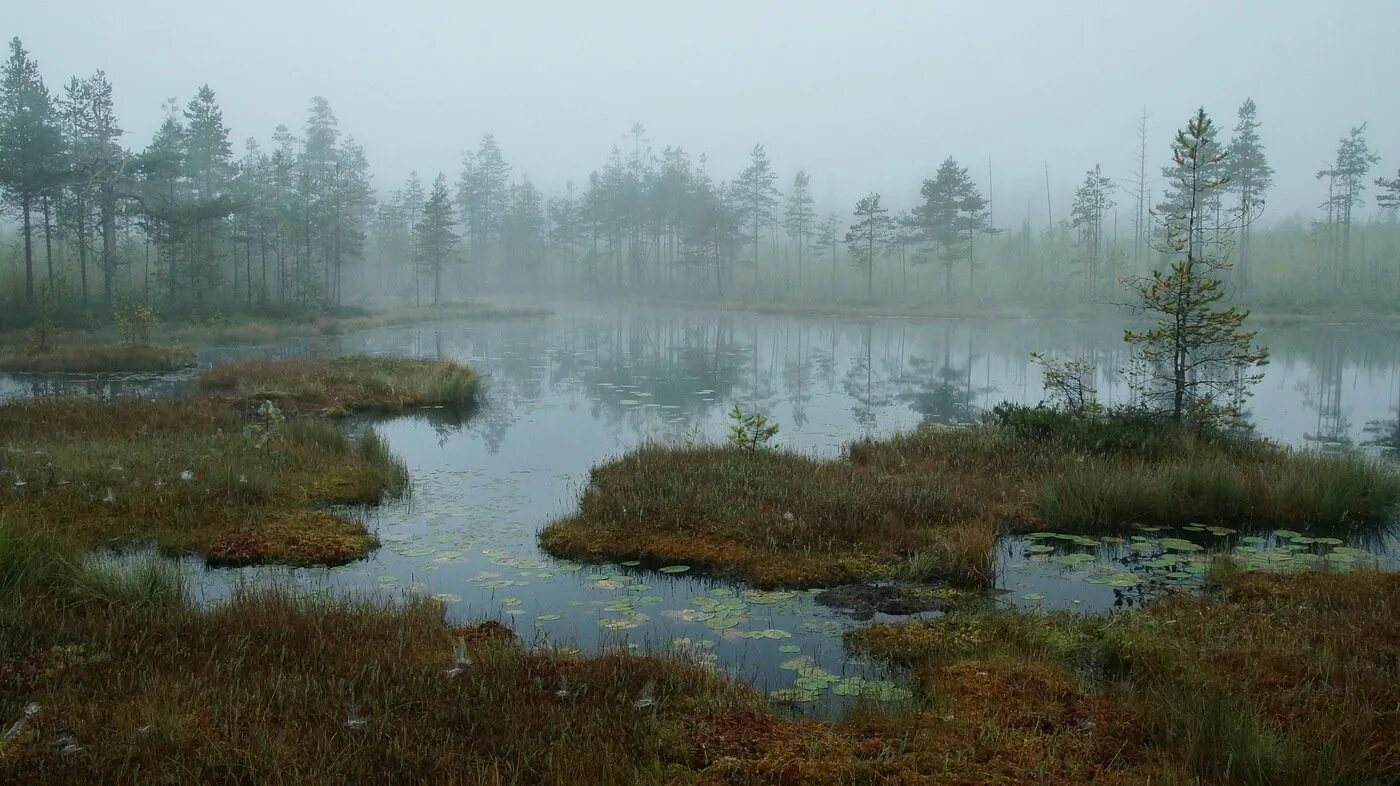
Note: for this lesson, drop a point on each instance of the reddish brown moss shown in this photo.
(306, 537)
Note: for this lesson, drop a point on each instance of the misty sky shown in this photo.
(866, 96)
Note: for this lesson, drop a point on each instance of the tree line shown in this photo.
(187, 224)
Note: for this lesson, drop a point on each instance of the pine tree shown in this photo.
(799, 217)
(31, 146)
(566, 225)
(208, 170)
(523, 229)
(952, 214)
(353, 205)
(1092, 200)
(317, 173)
(1196, 361)
(1389, 196)
(1346, 188)
(413, 200)
(162, 196)
(828, 236)
(482, 193)
(757, 194)
(1250, 177)
(713, 234)
(101, 169)
(867, 237)
(437, 241)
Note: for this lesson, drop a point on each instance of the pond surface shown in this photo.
(567, 391)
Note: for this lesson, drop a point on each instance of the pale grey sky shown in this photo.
(866, 96)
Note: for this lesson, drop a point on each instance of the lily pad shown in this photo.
(1178, 544)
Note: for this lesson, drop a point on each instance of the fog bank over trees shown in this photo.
(320, 155)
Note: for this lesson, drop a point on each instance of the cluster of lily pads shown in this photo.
(1289, 550)
(1166, 557)
(812, 681)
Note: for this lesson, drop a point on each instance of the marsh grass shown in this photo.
(1266, 485)
(94, 358)
(1279, 679)
(133, 684)
(928, 505)
(339, 385)
(1275, 679)
(275, 687)
(189, 474)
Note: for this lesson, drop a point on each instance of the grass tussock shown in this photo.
(1289, 679)
(773, 518)
(338, 385)
(928, 505)
(192, 475)
(96, 358)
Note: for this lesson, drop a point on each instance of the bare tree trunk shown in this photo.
(108, 213)
(82, 250)
(28, 250)
(48, 245)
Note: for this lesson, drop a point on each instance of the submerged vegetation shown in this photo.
(191, 474)
(929, 504)
(338, 385)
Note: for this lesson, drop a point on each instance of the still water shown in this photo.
(567, 391)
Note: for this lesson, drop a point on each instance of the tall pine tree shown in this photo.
(437, 240)
(1250, 177)
(31, 146)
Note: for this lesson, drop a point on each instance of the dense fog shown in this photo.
(224, 158)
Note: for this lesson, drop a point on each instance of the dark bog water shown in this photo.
(567, 391)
